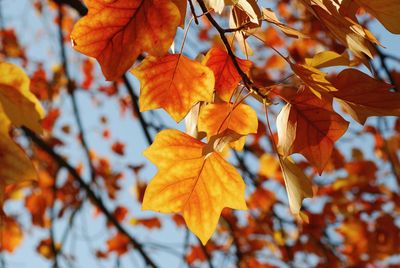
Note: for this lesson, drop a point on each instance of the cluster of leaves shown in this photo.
(193, 176)
(227, 102)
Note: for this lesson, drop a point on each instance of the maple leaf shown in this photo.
(116, 32)
(188, 181)
(16, 166)
(18, 103)
(308, 125)
(174, 83)
(364, 96)
(298, 186)
(218, 117)
(225, 72)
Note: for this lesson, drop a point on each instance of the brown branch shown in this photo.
(135, 106)
(92, 195)
(71, 92)
(75, 4)
(193, 12)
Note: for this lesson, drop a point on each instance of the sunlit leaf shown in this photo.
(298, 186)
(225, 72)
(116, 32)
(174, 83)
(328, 59)
(20, 105)
(218, 117)
(197, 185)
(313, 78)
(308, 125)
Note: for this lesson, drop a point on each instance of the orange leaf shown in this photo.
(11, 234)
(308, 125)
(226, 75)
(116, 32)
(198, 186)
(182, 6)
(386, 11)
(118, 148)
(149, 223)
(118, 243)
(218, 117)
(174, 83)
(364, 96)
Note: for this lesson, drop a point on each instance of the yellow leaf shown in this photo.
(15, 165)
(116, 32)
(174, 83)
(19, 104)
(188, 181)
(268, 165)
(218, 117)
(328, 59)
(313, 78)
(298, 186)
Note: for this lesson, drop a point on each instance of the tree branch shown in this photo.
(92, 195)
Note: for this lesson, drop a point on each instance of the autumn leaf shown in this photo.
(225, 72)
(313, 78)
(218, 5)
(197, 185)
(364, 96)
(386, 11)
(11, 233)
(218, 117)
(19, 104)
(298, 186)
(328, 59)
(269, 16)
(119, 244)
(16, 166)
(116, 32)
(348, 32)
(269, 165)
(174, 83)
(182, 6)
(308, 125)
